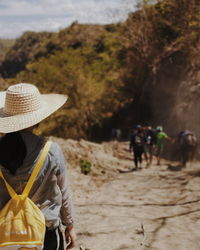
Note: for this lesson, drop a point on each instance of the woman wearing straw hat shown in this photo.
(21, 108)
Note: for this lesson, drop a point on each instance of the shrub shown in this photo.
(85, 166)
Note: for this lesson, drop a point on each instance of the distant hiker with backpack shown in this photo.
(34, 188)
(149, 143)
(187, 143)
(137, 145)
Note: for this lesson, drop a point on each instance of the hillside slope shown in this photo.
(82, 61)
(164, 40)
(117, 75)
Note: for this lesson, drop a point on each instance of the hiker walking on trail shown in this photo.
(161, 137)
(149, 143)
(116, 134)
(137, 145)
(22, 107)
(187, 143)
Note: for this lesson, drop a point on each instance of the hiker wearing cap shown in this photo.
(22, 107)
(161, 136)
(137, 145)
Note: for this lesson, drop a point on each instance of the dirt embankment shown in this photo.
(155, 208)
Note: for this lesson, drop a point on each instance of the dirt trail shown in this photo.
(156, 208)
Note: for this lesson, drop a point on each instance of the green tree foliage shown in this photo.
(5, 45)
(27, 48)
(158, 30)
(85, 166)
(89, 75)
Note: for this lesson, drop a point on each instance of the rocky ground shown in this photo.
(154, 208)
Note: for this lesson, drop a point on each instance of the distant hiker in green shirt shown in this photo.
(160, 140)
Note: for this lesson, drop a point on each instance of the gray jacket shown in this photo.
(51, 190)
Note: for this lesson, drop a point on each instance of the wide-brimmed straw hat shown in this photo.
(22, 106)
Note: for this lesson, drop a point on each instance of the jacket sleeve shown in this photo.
(67, 208)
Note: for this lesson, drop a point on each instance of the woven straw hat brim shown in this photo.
(12, 123)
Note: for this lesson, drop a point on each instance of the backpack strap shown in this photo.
(11, 191)
(37, 168)
(34, 174)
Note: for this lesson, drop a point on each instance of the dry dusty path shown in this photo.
(150, 209)
(156, 208)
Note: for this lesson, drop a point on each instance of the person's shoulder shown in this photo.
(161, 134)
(55, 145)
(153, 130)
(55, 149)
(56, 155)
(164, 134)
(132, 135)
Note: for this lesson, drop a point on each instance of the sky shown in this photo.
(18, 16)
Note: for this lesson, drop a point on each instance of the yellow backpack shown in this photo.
(22, 223)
